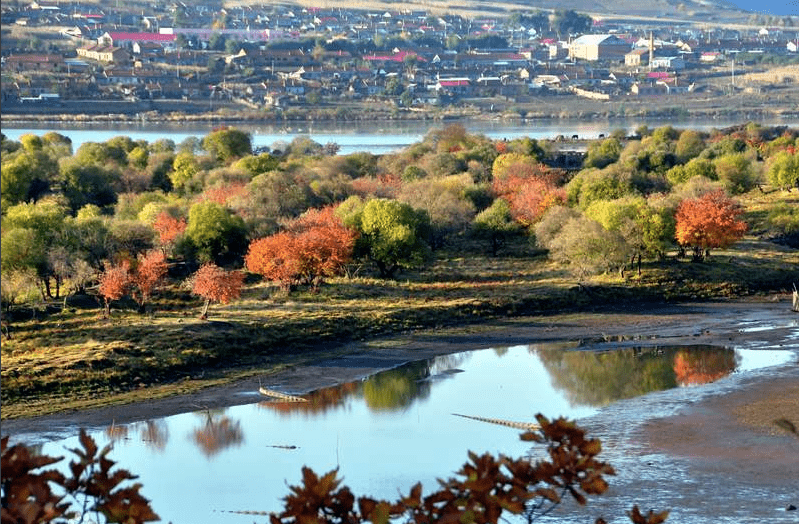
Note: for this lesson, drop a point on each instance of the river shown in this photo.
(385, 431)
(375, 137)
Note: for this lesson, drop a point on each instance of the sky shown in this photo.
(769, 7)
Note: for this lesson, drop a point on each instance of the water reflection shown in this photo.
(218, 432)
(391, 430)
(692, 367)
(590, 378)
(394, 390)
(155, 433)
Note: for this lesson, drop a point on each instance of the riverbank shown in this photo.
(649, 325)
(741, 107)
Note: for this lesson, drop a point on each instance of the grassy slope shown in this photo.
(74, 358)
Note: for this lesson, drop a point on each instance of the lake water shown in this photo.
(389, 431)
(374, 137)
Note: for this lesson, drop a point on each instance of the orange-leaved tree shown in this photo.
(168, 227)
(151, 269)
(314, 246)
(530, 189)
(31, 494)
(213, 283)
(710, 221)
(114, 283)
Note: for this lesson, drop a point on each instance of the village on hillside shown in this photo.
(278, 58)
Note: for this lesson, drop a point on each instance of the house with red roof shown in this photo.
(119, 39)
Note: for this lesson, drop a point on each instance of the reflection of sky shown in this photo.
(751, 359)
(378, 452)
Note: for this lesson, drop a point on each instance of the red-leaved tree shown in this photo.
(168, 227)
(710, 221)
(530, 191)
(213, 283)
(114, 283)
(312, 247)
(150, 271)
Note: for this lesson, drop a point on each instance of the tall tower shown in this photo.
(651, 49)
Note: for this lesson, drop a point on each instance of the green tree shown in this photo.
(689, 145)
(495, 224)
(216, 233)
(393, 234)
(581, 243)
(257, 164)
(184, 168)
(441, 199)
(696, 167)
(568, 22)
(603, 153)
(736, 172)
(87, 183)
(642, 227)
(30, 233)
(590, 185)
(783, 169)
(227, 144)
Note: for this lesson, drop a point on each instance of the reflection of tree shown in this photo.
(702, 367)
(395, 389)
(319, 401)
(386, 391)
(116, 433)
(155, 433)
(216, 435)
(598, 378)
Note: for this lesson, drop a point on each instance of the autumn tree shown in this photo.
(114, 283)
(529, 188)
(92, 484)
(312, 247)
(168, 227)
(710, 221)
(214, 284)
(150, 271)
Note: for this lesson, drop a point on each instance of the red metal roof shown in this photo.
(142, 37)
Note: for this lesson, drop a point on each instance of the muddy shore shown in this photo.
(717, 323)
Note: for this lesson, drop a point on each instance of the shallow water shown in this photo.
(389, 431)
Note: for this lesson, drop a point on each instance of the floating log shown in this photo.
(284, 397)
(527, 426)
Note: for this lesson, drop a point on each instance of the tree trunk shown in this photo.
(204, 314)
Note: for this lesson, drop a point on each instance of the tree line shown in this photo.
(120, 216)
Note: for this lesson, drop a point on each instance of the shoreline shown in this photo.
(714, 323)
(146, 115)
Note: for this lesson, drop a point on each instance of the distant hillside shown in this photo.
(698, 11)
